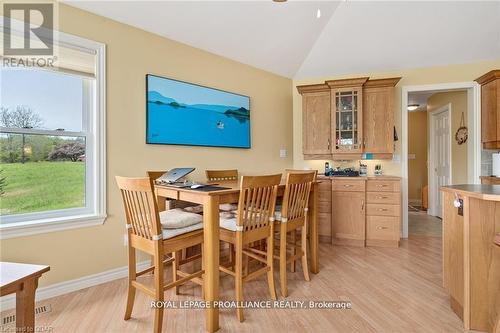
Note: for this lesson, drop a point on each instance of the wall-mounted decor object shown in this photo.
(181, 113)
(461, 135)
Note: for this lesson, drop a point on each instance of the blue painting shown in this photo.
(181, 113)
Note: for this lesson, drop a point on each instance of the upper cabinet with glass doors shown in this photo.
(361, 119)
(347, 115)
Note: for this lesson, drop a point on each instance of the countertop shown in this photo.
(383, 177)
(484, 192)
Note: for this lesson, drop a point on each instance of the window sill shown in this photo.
(27, 228)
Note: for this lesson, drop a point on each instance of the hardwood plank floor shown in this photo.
(391, 290)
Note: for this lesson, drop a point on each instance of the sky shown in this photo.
(55, 97)
(192, 94)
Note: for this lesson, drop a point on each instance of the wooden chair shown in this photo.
(254, 222)
(293, 217)
(221, 175)
(171, 204)
(145, 234)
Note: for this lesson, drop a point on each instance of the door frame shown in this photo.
(433, 190)
(474, 140)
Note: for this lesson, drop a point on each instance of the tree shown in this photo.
(20, 117)
(68, 151)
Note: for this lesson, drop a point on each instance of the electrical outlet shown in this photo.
(125, 240)
(282, 153)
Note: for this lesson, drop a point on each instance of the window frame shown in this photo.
(94, 131)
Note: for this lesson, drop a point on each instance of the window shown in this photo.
(52, 142)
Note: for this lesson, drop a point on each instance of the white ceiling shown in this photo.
(420, 98)
(349, 37)
(272, 36)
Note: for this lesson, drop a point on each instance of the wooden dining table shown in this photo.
(210, 200)
(22, 279)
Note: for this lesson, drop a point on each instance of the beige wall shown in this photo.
(417, 145)
(458, 101)
(131, 54)
(419, 76)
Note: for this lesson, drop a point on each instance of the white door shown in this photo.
(440, 157)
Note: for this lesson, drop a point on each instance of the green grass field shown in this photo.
(41, 186)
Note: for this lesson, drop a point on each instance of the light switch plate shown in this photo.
(396, 158)
(282, 153)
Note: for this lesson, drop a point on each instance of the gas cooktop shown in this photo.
(344, 173)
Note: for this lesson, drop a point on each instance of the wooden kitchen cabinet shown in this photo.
(347, 116)
(490, 180)
(316, 121)
(348, 212)
(325, 210)
(342, 119)
(378, 117)
(490, 109)
(383, 212)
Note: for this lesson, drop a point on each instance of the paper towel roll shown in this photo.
(496, 164)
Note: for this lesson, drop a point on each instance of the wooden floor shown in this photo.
(391, 290)
(422, 224)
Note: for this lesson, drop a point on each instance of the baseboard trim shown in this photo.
(9, 302)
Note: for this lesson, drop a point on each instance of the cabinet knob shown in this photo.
(347, 185)
(381, 197)
(381, 228)
(381, 185)
(362, 205)
(382, 210)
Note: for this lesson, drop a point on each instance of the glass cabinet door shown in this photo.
(347, 120)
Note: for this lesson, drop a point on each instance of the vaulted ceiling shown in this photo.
(349, 36)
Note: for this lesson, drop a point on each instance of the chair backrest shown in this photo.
(221, 175)
(154, 175)
(140, 206)
(296, 196)
(287, 171)
(257, 201)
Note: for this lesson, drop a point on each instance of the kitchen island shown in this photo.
(471, 274)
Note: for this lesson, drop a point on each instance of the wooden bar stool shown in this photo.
(145, 233)
(221, 175)
(291, 218)
(253, 222)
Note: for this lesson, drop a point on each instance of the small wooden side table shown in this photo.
(22, 279)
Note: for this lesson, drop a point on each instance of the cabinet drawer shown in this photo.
(324, 207)
(347, 185)
(382, 227)
(391, 198)
(325, 224)
(325, 196)
(383, 186)
(382, 210)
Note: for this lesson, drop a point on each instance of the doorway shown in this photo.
(442, 173)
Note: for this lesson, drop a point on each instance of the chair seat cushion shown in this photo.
(277, 213)
(170, 233)
(198, 209)
(227, 207)
(178, 218)
(277, 216)
(229, 224)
